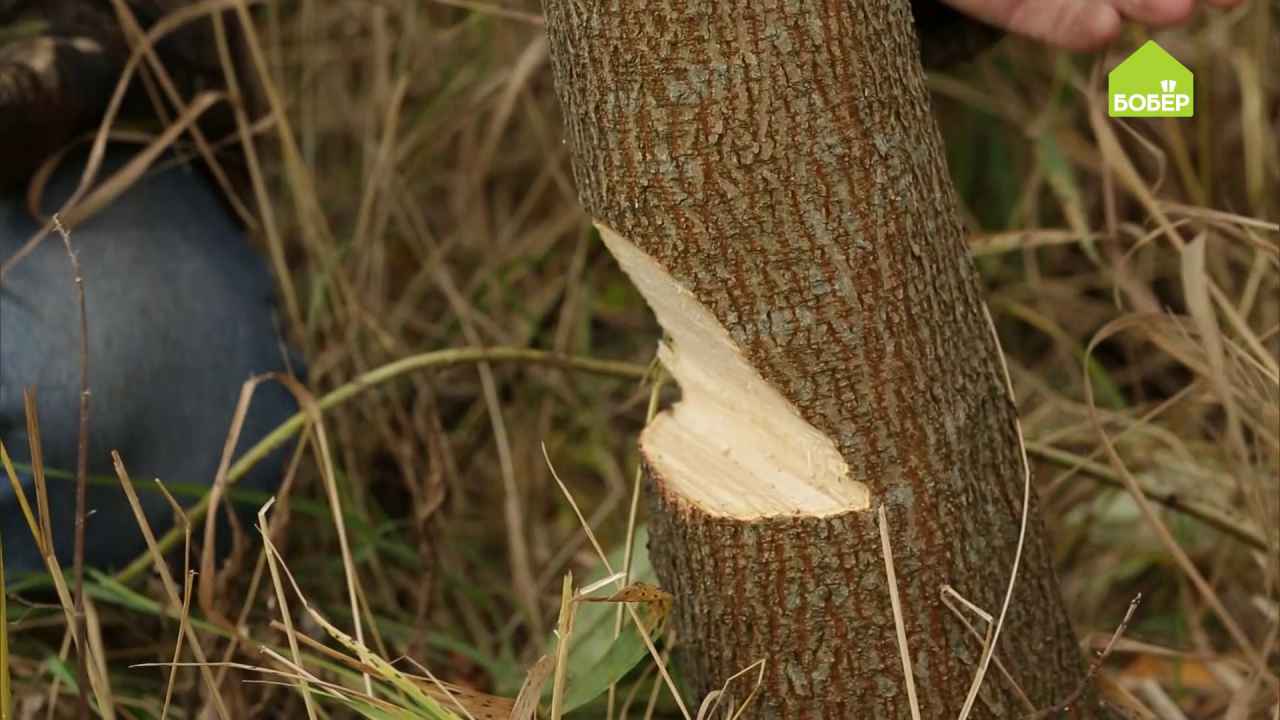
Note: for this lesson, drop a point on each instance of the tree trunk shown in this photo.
(770, 176)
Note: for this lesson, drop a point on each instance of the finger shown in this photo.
(1068, 24)
(1156, 12)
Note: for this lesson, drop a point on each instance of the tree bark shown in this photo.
(770, 175)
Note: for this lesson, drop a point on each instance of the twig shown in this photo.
(82, 473)
(1094, 666)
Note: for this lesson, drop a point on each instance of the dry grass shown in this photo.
(417, 200)
(1133, 269)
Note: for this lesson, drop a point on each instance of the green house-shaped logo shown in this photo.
(1150, 83)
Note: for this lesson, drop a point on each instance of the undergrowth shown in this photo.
(418, 206)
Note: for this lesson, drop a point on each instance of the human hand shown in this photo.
(1079, 24)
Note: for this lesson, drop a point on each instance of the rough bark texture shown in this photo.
(779, 158)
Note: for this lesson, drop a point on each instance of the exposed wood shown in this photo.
(770, 175)
(733, 445)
